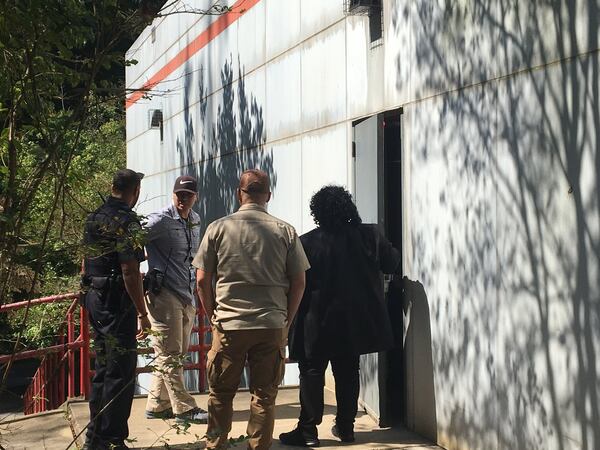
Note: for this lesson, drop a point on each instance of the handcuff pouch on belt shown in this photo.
(153, 281)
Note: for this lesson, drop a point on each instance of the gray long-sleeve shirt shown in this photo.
(171, 245)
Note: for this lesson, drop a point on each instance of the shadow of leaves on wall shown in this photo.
(231, 142)
(516, 314)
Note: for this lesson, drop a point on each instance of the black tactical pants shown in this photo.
(114, 320)
(312, 383)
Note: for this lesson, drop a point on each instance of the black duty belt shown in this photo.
(102, 282)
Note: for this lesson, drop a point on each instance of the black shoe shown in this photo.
(90, 444)
(104, 446)
(164, 414)
(117, 447)
(194, 415)
(346, 436)
(298, 439)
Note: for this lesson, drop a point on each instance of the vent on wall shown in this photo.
(155, 118)
(156, 121)
(371, 8)
(362, 7)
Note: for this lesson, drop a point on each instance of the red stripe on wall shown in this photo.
(213, 30)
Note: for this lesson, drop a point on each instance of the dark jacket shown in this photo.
(111, 237)
(343, 311)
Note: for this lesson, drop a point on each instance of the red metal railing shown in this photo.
(203, 331)
(58, 367)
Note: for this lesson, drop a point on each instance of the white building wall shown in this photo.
(501, 209)
(498, 173)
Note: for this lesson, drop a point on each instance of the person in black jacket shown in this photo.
(342, 314)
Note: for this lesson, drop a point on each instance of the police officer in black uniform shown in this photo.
(114, 299)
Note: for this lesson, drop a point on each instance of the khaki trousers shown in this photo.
(265, 351)
(172, 322)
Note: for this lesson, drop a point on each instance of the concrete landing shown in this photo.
(155, 433)
(54, 430)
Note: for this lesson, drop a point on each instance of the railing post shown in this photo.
(56, 372)
(27, 401)
(55, 401)
(36, 388)
(71, 355)
(44, 391)
(84, 354)
(51, 386)
(61, 370)
(201, 351)
(38, 403)
(41, 389)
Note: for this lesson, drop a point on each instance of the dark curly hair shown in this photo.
(332, 207)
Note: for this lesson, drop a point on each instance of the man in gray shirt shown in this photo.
(173, 238)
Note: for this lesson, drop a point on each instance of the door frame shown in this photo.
(385, 417)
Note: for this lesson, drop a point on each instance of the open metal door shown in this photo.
(368, 169)
(368, 195)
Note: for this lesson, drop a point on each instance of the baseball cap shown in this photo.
(125, 179)
(185, 183)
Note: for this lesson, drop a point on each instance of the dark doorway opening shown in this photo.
(392, 205)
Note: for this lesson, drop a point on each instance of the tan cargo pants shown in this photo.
(265, 351)
(172, 321)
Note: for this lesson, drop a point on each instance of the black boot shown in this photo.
(299, 438)
(343, 434)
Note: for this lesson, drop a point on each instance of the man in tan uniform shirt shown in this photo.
(259, 265)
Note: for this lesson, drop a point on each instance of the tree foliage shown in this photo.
(61, 135)
(101, 152)
(60, 61)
